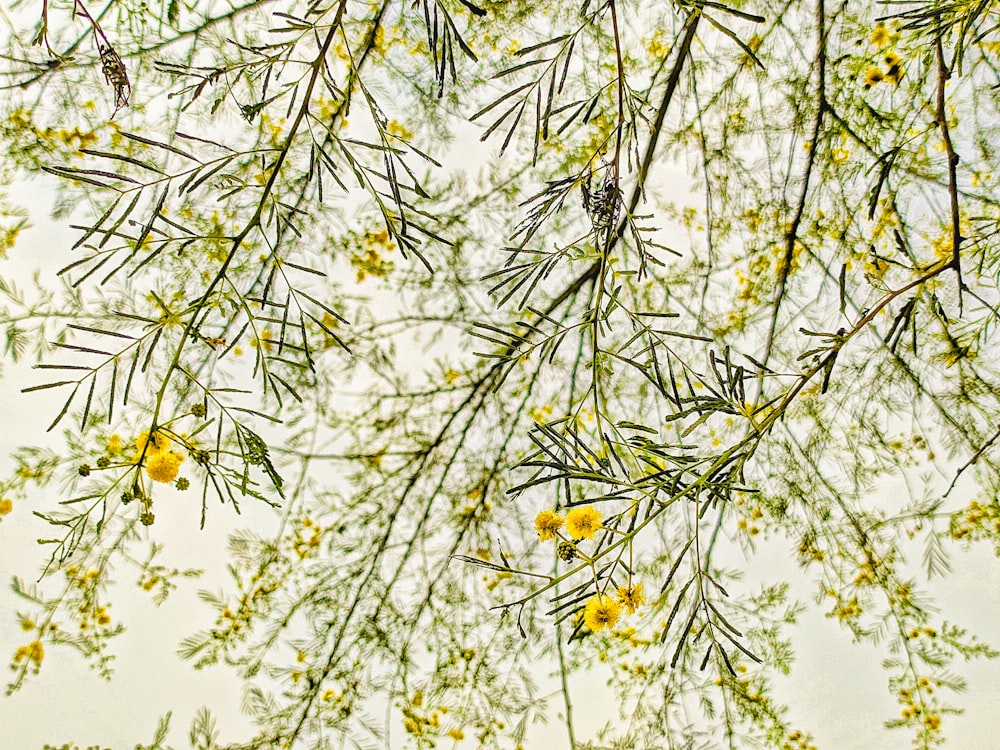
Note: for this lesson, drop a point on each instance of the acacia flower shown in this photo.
(6, 506)
(873, 76)
(163, 467)
(601, 612)
(880, 36)
(547, 523)
(157, 443)
(895, 71)
(583, 523)
(34, 651)
(631, 597)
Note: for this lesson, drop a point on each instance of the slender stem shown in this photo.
(792, 235)
(944, 74)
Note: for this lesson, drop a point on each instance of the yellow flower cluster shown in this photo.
(305, 545)
(6, 506)
(398, 129)
(880, 36)
(601, 612)
(892, 74)
(547, 524)
(656, 46)
(370, 262)
(33, 652)
(581, 523)
(164, 467)
(631, 597)
(977, 521)
(798, 741)
(414, 722)
(48, 137)
(162, 464)
(82, 581)
(102, 616)
(912, 705)
(848, 610)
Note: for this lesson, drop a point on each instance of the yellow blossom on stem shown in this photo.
(547, 523)
(880, 36)
(894, 73)
(34, 651)
(583, 523)
(6, 506)
(157, 444)
(631, 597)
(601, 612)
(872, 76)
(163, 467)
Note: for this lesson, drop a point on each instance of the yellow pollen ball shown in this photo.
(163, 467)
(583, 523)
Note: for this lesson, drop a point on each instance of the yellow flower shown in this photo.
(547, 523)
(872, 76)
(601, 612)
(114, 443)
(163, 467)
(27, 624)
(34, 651)
(631, 597)
(456, 734)
(103, 618)
(6, 506)
(880, 36)
(583, 523)
(894, 73)
(157, 444)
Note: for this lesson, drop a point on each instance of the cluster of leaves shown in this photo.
(561, 330)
